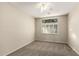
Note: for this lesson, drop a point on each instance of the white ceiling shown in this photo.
(56, 8)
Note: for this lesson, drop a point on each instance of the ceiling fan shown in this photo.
(45, 7)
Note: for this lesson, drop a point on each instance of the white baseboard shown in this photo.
(17, 48)
(53, 41)
(74, 49)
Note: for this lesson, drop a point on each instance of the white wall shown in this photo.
(16, 29)
(60, 37)
(74, 29)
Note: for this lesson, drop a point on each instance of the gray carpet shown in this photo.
(38, 48)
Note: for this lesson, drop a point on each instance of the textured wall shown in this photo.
(60, 37)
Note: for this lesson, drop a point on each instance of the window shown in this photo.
(49, 26)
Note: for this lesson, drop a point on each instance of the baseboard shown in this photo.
(74, 49)
(53, 42)
(17, 48)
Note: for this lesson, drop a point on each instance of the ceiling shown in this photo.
(55, 8)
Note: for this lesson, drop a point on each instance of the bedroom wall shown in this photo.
(60, 37)
(16, 29)
(73, 21)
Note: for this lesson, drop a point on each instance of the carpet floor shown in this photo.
(39, 48)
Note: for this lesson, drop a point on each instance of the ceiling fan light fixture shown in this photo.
(43, 6)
